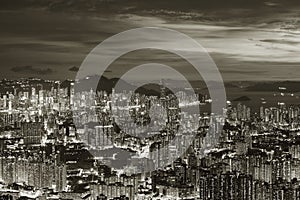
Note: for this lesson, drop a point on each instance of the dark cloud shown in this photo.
(281, 41)
(63, 38)
(232, 12)
(32, 70)
(123, 6)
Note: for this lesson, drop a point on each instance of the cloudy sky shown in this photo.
(249, 40)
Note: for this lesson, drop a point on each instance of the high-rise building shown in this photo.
(32, 132)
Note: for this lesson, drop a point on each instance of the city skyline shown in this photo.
(149, 100)
(60, 144)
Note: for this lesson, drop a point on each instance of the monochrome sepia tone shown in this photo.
(150, 99)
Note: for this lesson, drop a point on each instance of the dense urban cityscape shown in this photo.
(58, 144)
(150, 100)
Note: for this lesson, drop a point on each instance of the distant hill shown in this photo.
(103, 84)
(106, 84)
(66, 83)
(291, 86)
(242, 98)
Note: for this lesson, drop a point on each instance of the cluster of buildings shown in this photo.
(58, 144)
